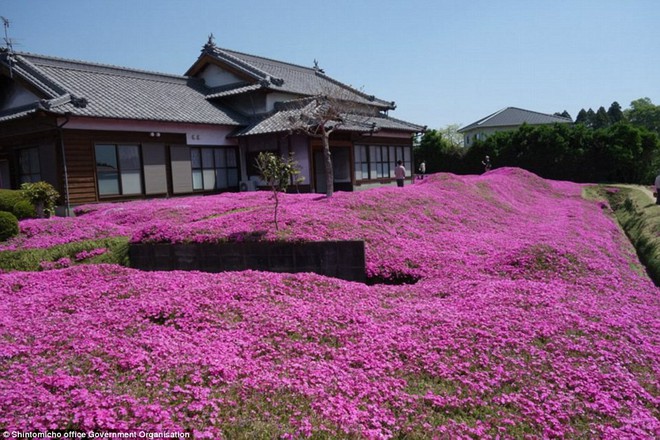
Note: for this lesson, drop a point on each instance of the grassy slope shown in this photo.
(639, 217)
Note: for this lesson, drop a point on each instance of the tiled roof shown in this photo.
(292, 78)
(281, 121)
(97, 90)
(513, 116)
(18, 113)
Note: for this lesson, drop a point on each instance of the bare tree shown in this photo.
(319, 116)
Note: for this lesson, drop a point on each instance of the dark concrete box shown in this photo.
(339, 259)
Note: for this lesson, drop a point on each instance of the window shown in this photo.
(118, 169)
(214, 168)
(379, 161)
(28, 165)
(361, 162)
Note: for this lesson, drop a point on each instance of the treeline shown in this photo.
(603, 146)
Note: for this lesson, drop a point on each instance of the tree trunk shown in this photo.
(329, 177)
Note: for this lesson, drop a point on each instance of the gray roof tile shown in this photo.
(280, 121)
(512, 117)
(292, 78)
(115, 92)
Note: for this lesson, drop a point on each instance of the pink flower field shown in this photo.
(499, 306)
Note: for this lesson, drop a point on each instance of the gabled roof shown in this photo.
(513, 117)
(97, 90)
(281, 76)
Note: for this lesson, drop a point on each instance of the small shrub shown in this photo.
(9, 198)
(24, 209)
(8, 225)
(43, 196)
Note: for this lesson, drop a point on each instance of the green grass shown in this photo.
(639, 217)
(31, 259)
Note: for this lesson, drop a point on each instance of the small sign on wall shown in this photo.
(195, 139)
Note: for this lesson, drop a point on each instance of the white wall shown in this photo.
(214, 76)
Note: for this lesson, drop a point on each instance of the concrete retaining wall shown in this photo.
(339, 259)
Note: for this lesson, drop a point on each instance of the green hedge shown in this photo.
(32, 259)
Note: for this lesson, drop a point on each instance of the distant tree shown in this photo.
(601, 118)
(564, 114)
(450, 133)
(615, 113)
(591, 118)
(582, 118)
(643, 113)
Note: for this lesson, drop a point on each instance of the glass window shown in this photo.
(29, 169)
(118, 169)
(361, 162)
(213, 168)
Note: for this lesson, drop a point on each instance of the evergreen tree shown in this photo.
(591, 118)
(581, 117)
(601, 119)
(615, 113)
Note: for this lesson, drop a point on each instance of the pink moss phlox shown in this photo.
(529, 318)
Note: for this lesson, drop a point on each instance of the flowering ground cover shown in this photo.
(524, 313)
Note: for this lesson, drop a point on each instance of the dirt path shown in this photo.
(645, 189)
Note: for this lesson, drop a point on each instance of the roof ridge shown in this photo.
(540, 113)
(40, 78)
(371, 98)
(267, 59)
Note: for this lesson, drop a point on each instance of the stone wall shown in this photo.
(339, 259)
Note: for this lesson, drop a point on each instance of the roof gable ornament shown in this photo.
(210, 44)
(317, 68)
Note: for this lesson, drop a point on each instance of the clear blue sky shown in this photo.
(443, 62)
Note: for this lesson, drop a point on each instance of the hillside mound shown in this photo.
(530, 317)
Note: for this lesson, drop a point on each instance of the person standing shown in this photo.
(486, 163)
(422, 169)
(657, 189)
(399, 173)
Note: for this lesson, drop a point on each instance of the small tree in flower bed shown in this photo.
(43, 196)
(278, 173)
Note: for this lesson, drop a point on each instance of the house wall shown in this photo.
(469, 137)
(47, 144)
(275, 97)
(81, 163)
(215, 76)
(249, 104)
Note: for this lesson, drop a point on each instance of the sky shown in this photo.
(442, 61)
